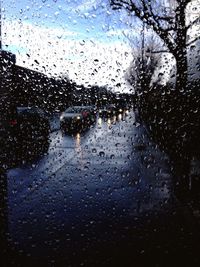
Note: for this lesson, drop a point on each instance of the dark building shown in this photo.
(7, 64)
(34, 88)
(28, 87)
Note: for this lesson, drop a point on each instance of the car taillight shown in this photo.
(84, 113)
(13, 122)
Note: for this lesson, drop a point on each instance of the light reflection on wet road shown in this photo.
(90, 189)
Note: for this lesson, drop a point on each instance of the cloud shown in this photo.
(89, 5)
(62, 52)
(126, 33)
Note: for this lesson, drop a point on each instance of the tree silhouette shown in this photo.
(168, 20)
(145, 61)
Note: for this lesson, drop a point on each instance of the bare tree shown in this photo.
(145, 61)
(167, 19)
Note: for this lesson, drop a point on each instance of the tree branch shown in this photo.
(186, 2)
(167, 18)
(157, 52)
(193, 23)
(193, 41)
(148, 17)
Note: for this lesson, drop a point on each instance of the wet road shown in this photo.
(102, 198)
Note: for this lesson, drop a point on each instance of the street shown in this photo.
(100, 198)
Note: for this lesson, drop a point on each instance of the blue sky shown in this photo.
(74, 32)
(88, 18)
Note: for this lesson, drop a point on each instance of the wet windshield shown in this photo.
(99, 133)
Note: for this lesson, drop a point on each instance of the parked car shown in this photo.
(24, 131)
(76, 118)
(33, 125)
(7, 130)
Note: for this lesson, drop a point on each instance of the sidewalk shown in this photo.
(190, 206)
(54, 122)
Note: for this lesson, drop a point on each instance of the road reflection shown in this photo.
(79, 150)
(99, 121)
(109, 122)
(77, 138)
(119, 117)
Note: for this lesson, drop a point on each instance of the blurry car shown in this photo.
(121, 107)
(93, 108)
(23, 131)
(76, 118)
(93, 112)
(107, 110)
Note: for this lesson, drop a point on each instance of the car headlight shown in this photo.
(61, 117)
(78, 117)
(120, 110)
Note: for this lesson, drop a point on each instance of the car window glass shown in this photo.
(99, 133)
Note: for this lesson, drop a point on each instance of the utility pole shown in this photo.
(143, 29)
(142, 60)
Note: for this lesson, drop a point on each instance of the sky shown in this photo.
(81, 39)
